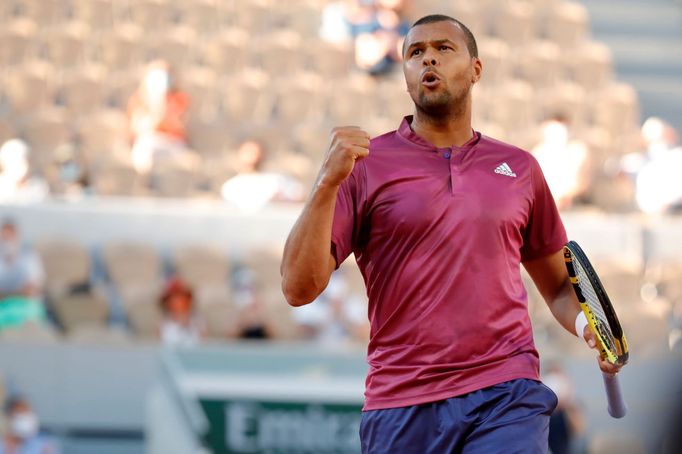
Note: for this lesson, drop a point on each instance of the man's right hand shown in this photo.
(348, 144)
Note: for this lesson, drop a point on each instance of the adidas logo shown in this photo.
(504, 169)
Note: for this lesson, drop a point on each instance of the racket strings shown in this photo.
(595, 306)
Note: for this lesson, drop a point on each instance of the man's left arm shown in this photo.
(551, 279)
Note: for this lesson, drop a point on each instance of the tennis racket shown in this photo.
(602, 320)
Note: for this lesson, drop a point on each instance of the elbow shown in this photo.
(297, 295)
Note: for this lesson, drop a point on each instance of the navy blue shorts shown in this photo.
(509, 418)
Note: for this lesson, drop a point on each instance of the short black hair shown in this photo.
(469, 37)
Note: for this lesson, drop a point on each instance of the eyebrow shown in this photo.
(434, 42)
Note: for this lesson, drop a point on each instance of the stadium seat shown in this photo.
(82, 92)
(29, 87)
(539, 63)
(141, 305)
(215, 307)
(100, 14)
(568, 99)
(121, 86)
(104, 132)
(351, 100)
(145, 319)
(567, 24)
(175, 175)
(119, 48)
(210, 139)
(117, 179)
(46, 13)
(201, 84)
(298, 98)
(616, 108)
(67, 264)
(312, 138)
(201, 265)
(246, 97)
(283, 55)
(205, 16)
(514, 23)
(512, 109)
(132, 264)
(152, 15)
(65, 46)
(227, 52)
(264, 263)
(494, 54)
(329, 59)
(589, 64)
(18, 37)
(78, 310)
(44, 131)
(177, 45)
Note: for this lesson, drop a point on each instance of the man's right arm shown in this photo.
(307, 263)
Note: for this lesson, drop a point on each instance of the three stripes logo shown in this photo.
(504, 169)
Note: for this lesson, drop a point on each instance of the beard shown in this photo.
(441, 103)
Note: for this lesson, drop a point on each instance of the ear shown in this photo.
(477, 69)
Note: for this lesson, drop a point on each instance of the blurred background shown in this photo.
(155, 153)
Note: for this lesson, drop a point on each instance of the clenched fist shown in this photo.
(348, 144)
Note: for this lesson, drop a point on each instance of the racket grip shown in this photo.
(616, 405)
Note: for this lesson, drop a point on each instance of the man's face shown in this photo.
(439, 71)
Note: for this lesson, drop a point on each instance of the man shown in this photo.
(21, 280)
(21, 270)
(439, 218)
(23, 431)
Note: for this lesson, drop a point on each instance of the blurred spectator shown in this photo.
(566, 425)
(253, 188)
(16, 181)
(655, 169)
(337, 315)
(377, 28)
(21, 280)
(564, 161)
(156, 113)
(253, 322)
(180, 325)
(71, 177)
(22, 434)
(252, 318)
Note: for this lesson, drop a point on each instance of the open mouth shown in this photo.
(430, 79)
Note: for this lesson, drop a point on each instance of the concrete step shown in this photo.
(646, 39)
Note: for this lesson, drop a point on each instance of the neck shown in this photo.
(452, 129)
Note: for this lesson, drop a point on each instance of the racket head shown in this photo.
(595, 303)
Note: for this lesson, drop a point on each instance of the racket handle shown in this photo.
(617, 406)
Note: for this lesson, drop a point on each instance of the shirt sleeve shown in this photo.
(348, 215)
(544, 233)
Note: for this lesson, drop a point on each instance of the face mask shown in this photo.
(24, 425)
(69, 172)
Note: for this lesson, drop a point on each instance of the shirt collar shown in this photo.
(406, 133)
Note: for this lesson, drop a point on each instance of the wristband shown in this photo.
(580, 323)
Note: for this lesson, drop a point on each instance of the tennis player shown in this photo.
(440, 217)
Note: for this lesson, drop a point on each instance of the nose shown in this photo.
(429, 59)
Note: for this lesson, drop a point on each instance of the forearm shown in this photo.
(307, 262)
(565, 307)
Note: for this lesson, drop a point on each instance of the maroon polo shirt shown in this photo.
(439, 235)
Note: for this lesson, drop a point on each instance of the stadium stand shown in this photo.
(259, 69)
